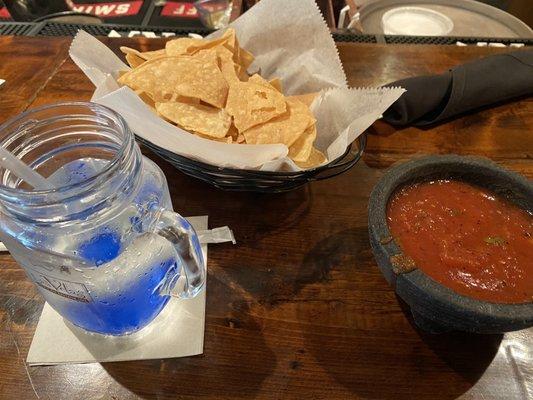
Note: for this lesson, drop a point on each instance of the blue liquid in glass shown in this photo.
(123, 297)
(101, 248)
(126, 311)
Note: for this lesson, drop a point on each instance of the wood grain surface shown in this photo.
(298, 308)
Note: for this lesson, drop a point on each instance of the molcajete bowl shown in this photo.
(435, 307)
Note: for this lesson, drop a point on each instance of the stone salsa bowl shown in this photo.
(436, 308)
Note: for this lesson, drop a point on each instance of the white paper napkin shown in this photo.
(178, 331)
(290, 40)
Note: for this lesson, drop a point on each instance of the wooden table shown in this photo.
(298, 308)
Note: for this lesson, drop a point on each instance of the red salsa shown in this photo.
(466, 238)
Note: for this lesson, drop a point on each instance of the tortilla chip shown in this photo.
(205, 120)
(242, 74)
(245, 59)
(206, 56)
(300, 151)
(276, 84)
(286, 128)
(135, 56)
(231, 41)
(241, 57)
(180, 46)
(256, 78)
(134, 60)
(316, 159)
(251, 104)
(148, 55)
(129, 50)
(224, 59)
(228, 39)
(227, 67)
(188, 100)
(146, 98)
(307, 98)
(225, 139)
(168, 98)
(233, 132)
(183, 75)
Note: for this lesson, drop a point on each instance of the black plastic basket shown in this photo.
(260, 181)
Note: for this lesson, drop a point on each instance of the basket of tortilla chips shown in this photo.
(258, 106)
(203, 87)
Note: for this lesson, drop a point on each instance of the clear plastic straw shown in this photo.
(17, 167)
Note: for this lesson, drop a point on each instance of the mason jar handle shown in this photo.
(178, 231)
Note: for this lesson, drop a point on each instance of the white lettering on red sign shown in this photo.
(182, 10)
(118, 9)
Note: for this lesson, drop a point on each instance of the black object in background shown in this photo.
(484, 82)
(29, 10)
(521, 9)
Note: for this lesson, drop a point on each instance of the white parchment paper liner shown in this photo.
(290, 40)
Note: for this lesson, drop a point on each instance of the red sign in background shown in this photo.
(4, 14)
(103, 10)
(180, 10)
(123, 9)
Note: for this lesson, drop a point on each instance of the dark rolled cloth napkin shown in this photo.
(490, 80)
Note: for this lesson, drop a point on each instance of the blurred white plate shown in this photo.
(418, 21)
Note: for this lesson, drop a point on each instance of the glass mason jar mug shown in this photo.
(103, 246)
